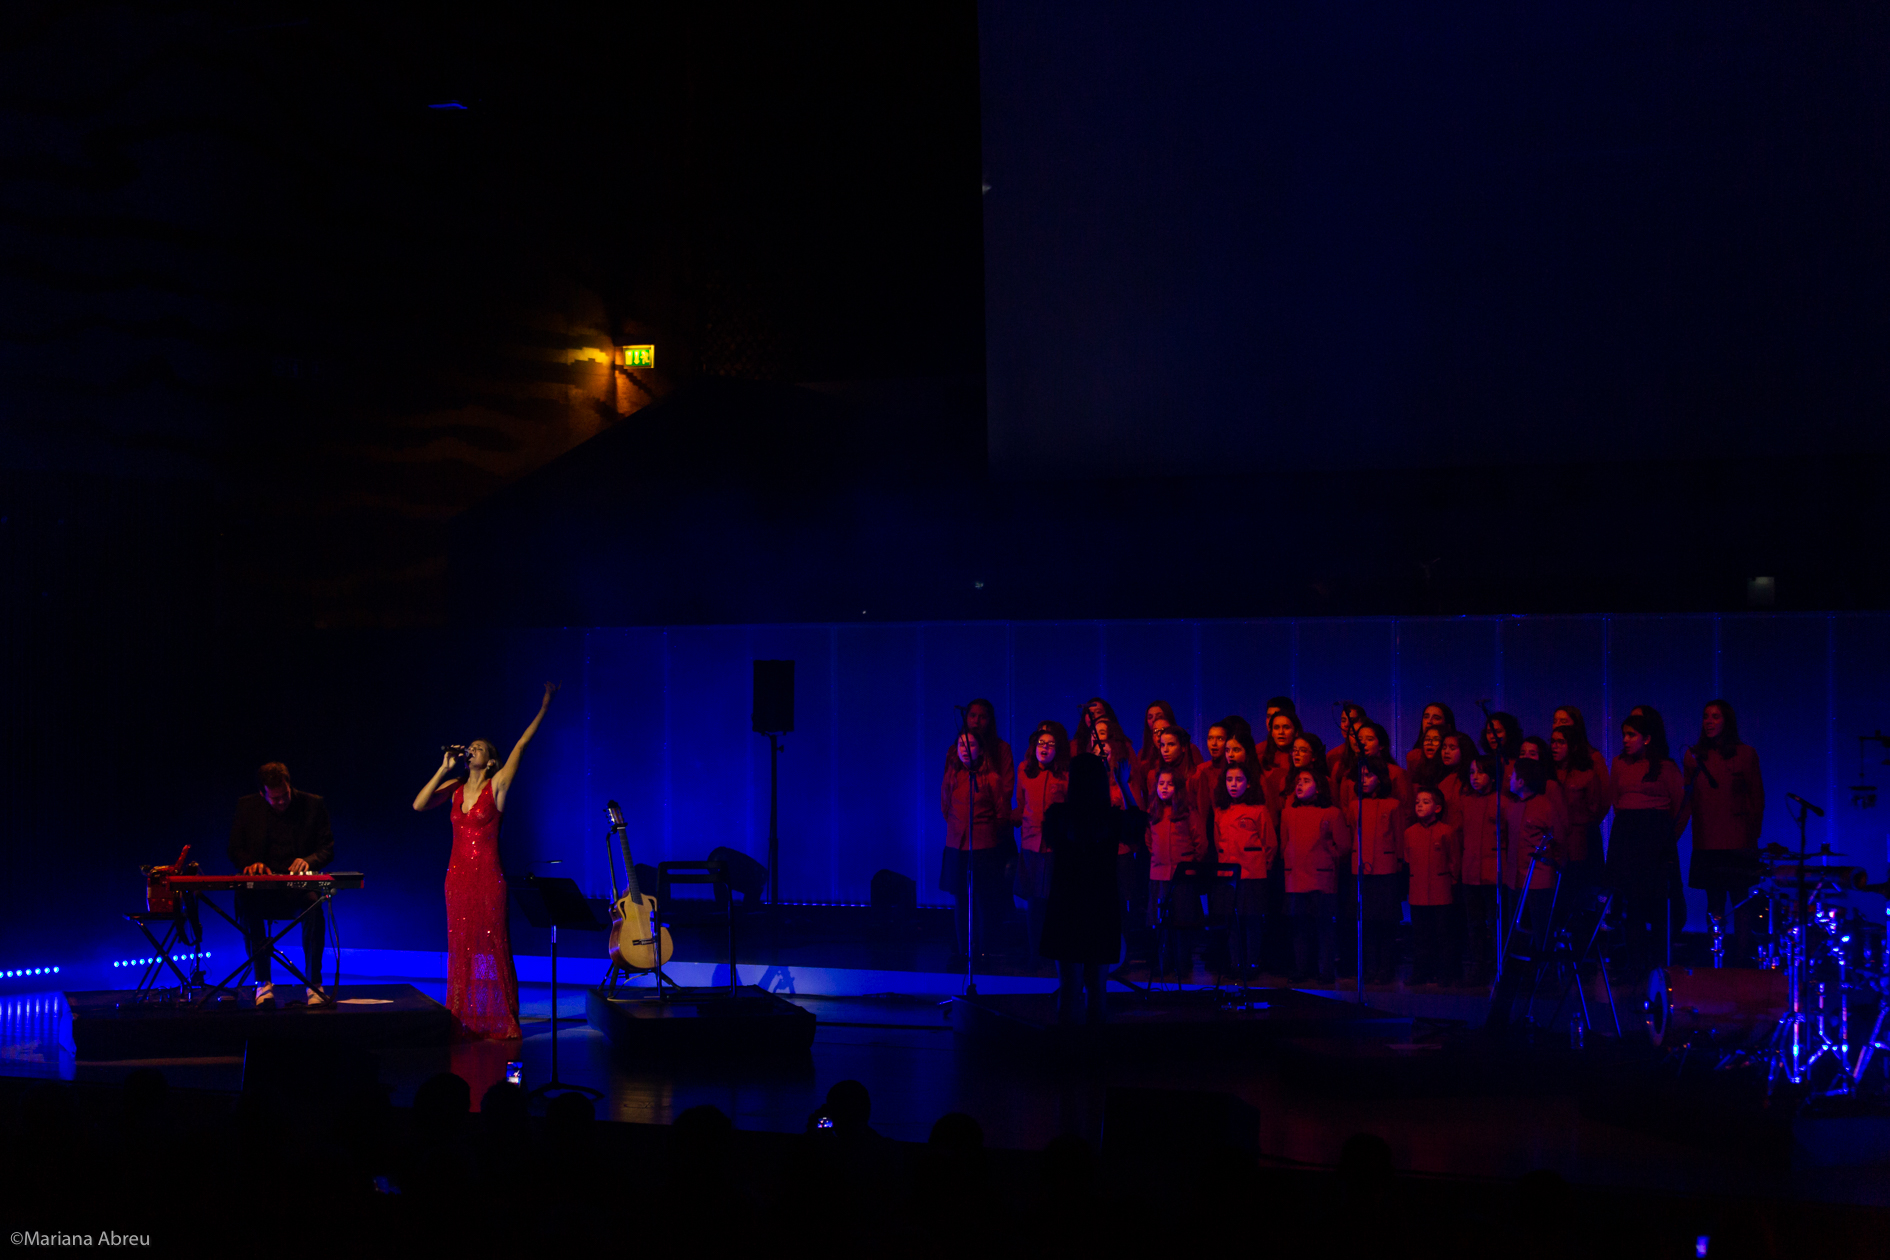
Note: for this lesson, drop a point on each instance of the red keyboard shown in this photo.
(332, 879)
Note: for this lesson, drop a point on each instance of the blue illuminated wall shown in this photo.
(658, 718)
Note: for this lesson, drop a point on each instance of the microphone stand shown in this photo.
(1358, 882)
(969, 854)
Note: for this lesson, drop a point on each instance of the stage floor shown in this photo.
(917, 1069)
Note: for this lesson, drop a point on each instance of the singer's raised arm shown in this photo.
(502, 781)
(439, 788)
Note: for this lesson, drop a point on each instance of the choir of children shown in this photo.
(1475, 834)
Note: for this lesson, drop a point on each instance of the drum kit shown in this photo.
(1822, 971)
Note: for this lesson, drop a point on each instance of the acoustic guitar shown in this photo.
(636, 944)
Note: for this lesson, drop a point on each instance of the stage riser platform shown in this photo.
(114, 1024)
(1190, 1022)
(701, 1023)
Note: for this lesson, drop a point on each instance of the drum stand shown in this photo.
(1875, 1042)
(1801, 1038)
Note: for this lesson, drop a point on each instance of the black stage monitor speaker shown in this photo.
(892, 891)
(774, 697)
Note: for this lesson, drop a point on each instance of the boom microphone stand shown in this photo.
(1358, 884)
(969, 854)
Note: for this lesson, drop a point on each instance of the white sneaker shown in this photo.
(265, 995)
(315, 998)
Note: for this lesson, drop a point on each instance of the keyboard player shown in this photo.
(280, 831)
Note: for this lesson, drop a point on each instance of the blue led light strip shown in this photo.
(28, 971)
(146, 962)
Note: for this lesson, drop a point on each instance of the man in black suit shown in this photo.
(281, 831)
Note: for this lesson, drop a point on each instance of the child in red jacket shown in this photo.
(1312, 840)
(1244, 836)
(1174, 839)
(1432, 852)
(1375, 820)
(1042, 781)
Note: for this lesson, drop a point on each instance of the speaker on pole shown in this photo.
(773, 716)
(774, 697)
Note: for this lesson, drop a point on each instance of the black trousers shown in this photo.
(1313, 928)
(1480, 912)
(255, 909)
(1431, 944)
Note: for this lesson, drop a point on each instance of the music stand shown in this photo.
(554, 902)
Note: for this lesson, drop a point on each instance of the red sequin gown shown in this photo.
(481, 986)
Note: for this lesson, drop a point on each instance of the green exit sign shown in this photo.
(639, 356)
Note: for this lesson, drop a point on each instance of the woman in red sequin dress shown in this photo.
(481, 985)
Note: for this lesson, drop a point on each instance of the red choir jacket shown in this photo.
(1476, 825)
(1145, 780)
(1632, 790)
(1728, 809)
(1172, 838)
(1385, 819)
(1526, 824)
(1589, 795)
(988, 808)
(1201, 797)
(1245, 837)
(1312, 838)
(1033, 797)
(1274, 783)
(1452, 787)
(1433, 851)
(1401, 788)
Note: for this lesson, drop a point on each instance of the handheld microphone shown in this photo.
(458, 750)
(1793, 796)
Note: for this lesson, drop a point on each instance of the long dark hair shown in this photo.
(1656, 743)
(1118, 742)
(1348, 760)
(1060, 764)
(1656, 732)
(1467, 746)
(1147, 751)
(1083, 719)
(1381, 771)
(1269, 751)
(1317, 747)
(1323, 799)
(1450, 722)
(981, 764)
(1223, 799)
(1581, 754)
(1728, 742)
(989, 737)
(1579, 725)
(1429, 770)
(1176, 805)
(1511, 728)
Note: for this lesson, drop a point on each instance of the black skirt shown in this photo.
(1033, 875)
(1728, 870)
(1642, 849)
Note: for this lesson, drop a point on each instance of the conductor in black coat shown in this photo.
(1082, 929)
